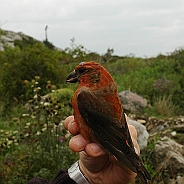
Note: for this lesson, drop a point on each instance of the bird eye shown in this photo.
(81, 70)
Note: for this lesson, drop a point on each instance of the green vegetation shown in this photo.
(34, 141)
(34, 101)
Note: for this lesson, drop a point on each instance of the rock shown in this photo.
(173, 133)
(141, 132)
(163, 85)
(132, 101)
(11, 36)
(178, 180)
(179, 128)
(142, 121)
(7, 38)
(1, 47)
(169, 156)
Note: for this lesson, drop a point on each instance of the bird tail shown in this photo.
(143, 174)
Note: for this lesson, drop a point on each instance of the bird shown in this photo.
(99, 115)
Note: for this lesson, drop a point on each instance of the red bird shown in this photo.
(99, 115)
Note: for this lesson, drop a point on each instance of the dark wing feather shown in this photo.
(110, 136)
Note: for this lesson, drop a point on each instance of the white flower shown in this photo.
(38, 133)
(28, 124)
(43, 129)
(9, 142)
(25, 115)
(46, 104)
(26, 135)
(7, 133)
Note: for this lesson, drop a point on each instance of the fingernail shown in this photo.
(79, 144)
(95, 148)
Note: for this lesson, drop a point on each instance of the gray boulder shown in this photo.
(7, 38)
(142, 134)
(132, 101)
(170, 156)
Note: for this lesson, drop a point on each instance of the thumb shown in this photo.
(93, 159)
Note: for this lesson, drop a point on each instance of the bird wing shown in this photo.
(114, 139)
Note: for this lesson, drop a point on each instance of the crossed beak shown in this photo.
(72, 77)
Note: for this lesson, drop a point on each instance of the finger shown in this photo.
(92, 164)
(133, 133)
(94, 150)
(71, 125)
(136, 145)
(67, 120)
(77, 143)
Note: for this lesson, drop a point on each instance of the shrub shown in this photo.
(20, 65)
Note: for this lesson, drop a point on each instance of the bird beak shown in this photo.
(72, 78)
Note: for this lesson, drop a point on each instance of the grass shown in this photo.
(29, 156)
(162, 107)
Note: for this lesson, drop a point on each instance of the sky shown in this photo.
(144, 28)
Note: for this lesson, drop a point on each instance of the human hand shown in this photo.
(96, 164)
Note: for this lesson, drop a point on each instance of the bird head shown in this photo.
(89, 73)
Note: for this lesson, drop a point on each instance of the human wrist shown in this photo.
(83, 169)
(76, 174)
(92, 177)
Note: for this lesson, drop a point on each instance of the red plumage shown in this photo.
(99, 115)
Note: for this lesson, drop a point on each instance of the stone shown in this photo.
(179, 128)
(11, 36)
(170, 156)
(1, 47)
(173, 133)
(178, 180)
(142, 134)
(7, 38)
(163, 84)
(132, 102)
(142, 121)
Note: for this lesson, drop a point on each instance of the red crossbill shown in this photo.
(99, 115)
